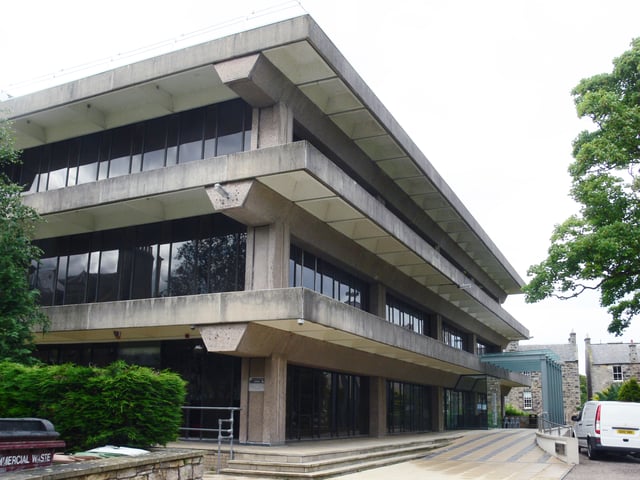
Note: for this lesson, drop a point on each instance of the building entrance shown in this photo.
(324, 404)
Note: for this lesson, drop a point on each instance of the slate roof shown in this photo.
(610, 353)
(567, 352)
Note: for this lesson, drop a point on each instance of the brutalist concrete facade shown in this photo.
(328, 168)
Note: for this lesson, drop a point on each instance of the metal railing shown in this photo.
(551, 428)
(222, 430)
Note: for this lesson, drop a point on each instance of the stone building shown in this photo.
(529, 399)
(609, 363)
(246, 212)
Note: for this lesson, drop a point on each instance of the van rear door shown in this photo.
(620, 425)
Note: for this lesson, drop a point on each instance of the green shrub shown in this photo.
(511, 411)
(118, 405)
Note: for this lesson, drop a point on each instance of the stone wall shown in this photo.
(570, 392)
(161, 464)
(602, 375)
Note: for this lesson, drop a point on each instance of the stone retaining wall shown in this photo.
(161, 464)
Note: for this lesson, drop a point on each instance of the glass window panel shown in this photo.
(108, 277)
(142, 281)
(119, 166)
(92, 282)
(231, 143)
(172, 140)
(76, 278)
(89, 156)
(120, 154)
(191, 132)
(155, 139)
(47, 278)
(308, 275)
(58, 165)
(137, 143)
(161, 271)
(230, 127)
(210, 127)
(87, 173)
(74, 150)
(60, 288)
(182, 268)
(30, 171)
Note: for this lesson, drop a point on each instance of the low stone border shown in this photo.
(159, 464)
(564, 448)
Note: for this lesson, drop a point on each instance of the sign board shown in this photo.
(256, 384)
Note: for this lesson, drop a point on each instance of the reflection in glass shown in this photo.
(187, 136)
(76, 280)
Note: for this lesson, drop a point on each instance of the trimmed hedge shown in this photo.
(117, 405)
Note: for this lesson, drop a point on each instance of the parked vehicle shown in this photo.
(608, 427)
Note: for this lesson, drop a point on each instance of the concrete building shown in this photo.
(609, 363)
(530, 399)
(246, 212)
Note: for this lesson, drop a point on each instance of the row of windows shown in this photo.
(307, 270)
(179, 138)
(453, 337)
(408, 407)
(192, 256)
(406, 316)
(183, 257)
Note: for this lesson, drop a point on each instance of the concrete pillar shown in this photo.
(263, 400)
(275, 400)
(377, 406)
(272, 125)
(378, 300)
(267, 265)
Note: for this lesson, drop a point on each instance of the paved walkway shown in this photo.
(499, 454)
(488, 454)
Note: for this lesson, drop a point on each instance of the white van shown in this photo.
(608, 427)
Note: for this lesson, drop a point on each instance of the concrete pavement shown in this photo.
(490, 454)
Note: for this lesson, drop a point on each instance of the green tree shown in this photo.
(583, 391)
(599, 248)
(609, 394)
(19, 310)
(629, 391)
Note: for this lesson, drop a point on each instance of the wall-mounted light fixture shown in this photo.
(221, 191)
(117, 334)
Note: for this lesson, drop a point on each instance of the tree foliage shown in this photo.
(599, 248)
(629, 391)
(19, 310)
(608, 394)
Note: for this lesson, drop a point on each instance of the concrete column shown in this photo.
(438, 328)
(263, 398)
(252, 400)
(378, 300)
(272, 125)
(275, 400)
(267, 265)
(377, 406)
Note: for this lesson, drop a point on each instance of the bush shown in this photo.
(511, 411)
(119, 405)
(629, 391)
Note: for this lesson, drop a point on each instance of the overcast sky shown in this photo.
(482, 87)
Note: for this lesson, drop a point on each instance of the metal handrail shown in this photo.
(224, 430)
(552, 428)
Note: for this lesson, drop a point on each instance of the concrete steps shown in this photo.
(326, 464)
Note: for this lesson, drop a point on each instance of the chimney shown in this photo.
(633, 354)
(572, 337)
